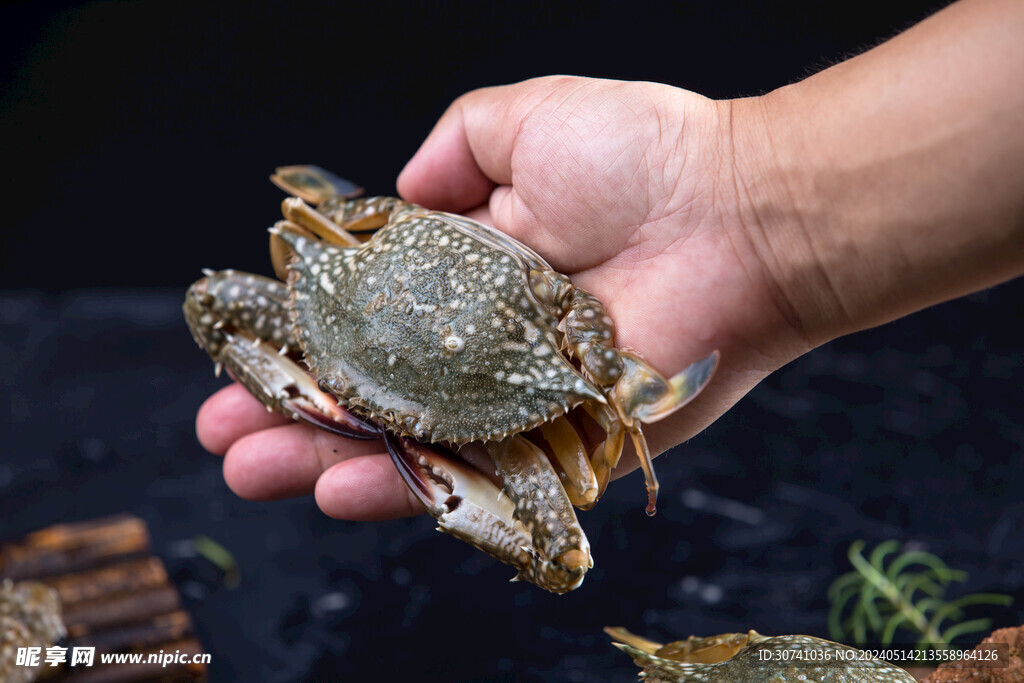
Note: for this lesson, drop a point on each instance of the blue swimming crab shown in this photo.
(494, 383)
(753, 658)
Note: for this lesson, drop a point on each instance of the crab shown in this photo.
(30, 616)
(750, 656)
(494, 383)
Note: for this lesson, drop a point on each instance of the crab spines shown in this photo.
(645, 395)
(339, 421)
(238, 318)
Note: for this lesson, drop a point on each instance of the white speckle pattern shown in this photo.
(427, 320)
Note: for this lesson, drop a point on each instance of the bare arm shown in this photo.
(894, 180)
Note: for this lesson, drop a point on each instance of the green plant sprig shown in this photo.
(910, 593)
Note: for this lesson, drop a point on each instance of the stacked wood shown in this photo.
(115, 597)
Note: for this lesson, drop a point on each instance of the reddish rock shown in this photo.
(951, 672)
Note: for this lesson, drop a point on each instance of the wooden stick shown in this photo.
(123, 577)
(94, 615)
(128, 637)
(67, 548)
(115, 597)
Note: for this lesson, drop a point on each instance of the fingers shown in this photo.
(366, 489)
(286, 461)
(230, 414)
(557, 159)
(480, 214)
(351, 479)
(444, 174)
(268, 457)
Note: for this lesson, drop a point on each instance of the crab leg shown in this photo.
(333, 197)
(333, 227)
(362, 214)
(577, 474)
(644, 394)
(636, 390)
(240, 320)
(313, 183)
(229, 300)
(560, 550)
(298, 211)
(605, 457)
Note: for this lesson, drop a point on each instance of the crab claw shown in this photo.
(269, 373)
(281, 385)
(560, 550)
(469, 506)
(465, 503)
(336, 419)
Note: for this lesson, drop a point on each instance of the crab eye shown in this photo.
(454, 343)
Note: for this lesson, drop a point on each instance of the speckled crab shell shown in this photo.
(443, 308)
(753, 658)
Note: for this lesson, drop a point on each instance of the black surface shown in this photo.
(129, 125)
(911, 431)
(136, 139)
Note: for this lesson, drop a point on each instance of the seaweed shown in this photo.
(875, 601)
(219, 556)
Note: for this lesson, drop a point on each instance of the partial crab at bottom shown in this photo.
(494, 383)
(753, 658)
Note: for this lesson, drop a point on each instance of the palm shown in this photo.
(633, 222)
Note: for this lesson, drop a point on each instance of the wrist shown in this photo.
(775, 205)
(889, 182)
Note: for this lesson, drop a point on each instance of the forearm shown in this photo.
(894, 180)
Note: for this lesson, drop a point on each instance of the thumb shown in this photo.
(470, 150)
(455, 169)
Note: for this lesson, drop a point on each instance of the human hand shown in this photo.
(641, 225)
(761, 227)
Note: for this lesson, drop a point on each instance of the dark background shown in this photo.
(136, 141)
